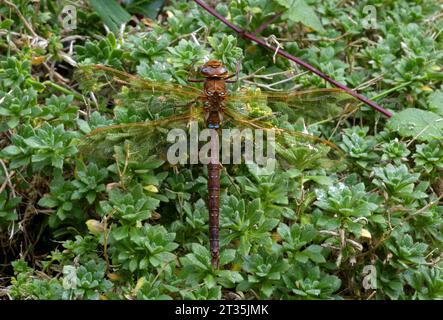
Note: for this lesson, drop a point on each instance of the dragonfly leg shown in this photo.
(195, 80)
(231, 76)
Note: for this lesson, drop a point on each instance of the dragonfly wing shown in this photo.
(311, 105)
(143, 97)
(136, 141)
(144, 112)
(291, 148)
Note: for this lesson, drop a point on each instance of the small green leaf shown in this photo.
(227, 256)
(112, 14)
(148, 9)
(322, 180)
(47, 202)
(90, 197)
(12, 123)
(143, 263)
(435, 101)
(267, 289)
(83, 126)
(300, 11)
(119, 233)
(11, 150)
(33, 142)
(132, 265)
(6, 24)
(314, 253)
(301, 257)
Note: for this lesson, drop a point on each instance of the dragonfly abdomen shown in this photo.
(214, 206)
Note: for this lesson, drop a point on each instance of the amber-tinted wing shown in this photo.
(301, 150)
(145, 99)
(311, 105)
(137, 141)
(144, 112)
(288, 114)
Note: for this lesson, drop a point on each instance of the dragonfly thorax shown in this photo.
(215, 88)
(215, 93)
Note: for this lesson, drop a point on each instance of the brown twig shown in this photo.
(25, 22)
(7, 178)
(106, 233)
(285, 54)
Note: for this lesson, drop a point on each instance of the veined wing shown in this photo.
(292, 148)
(145, 98)
(311, 105)
(136, 141)
(144, 112)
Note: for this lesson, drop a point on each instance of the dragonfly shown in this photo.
(152, 108)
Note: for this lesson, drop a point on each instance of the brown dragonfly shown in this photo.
(157, 107)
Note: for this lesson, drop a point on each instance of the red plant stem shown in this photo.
(285, 54)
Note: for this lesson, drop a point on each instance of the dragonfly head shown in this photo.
(213, 69)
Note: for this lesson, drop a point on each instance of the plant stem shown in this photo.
(64, 90)
(385, 93)
(285, 54)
